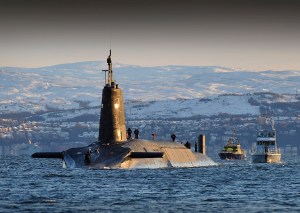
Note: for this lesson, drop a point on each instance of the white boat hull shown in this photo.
(266, 158)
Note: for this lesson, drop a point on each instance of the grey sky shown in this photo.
(257, 34)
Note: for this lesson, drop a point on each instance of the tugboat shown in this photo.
(232, 150)
(265, 149)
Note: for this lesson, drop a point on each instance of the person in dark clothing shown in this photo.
(154, 135)
(88, 157)
(129, 133)
(173, 136)
(136, 134)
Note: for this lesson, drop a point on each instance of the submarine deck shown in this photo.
(136, 153)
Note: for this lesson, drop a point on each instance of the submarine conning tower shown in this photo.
(112, 127)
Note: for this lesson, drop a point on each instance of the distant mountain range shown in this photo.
(163, 91)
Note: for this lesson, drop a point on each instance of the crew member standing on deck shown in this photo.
(173, 136)
(129, 133)
(154, 135)
(88, 157)
(136, 134)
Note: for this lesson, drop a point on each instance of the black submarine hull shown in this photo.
(135, 154)
(131, 154)
(113, 150)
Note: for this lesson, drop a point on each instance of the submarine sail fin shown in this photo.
(112, 127)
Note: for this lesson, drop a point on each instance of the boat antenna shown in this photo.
(272, 123)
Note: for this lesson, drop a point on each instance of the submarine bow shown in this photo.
(114, 150)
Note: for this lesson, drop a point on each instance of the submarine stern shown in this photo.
(162, 154)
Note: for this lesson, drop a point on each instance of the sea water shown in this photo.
(43, 185)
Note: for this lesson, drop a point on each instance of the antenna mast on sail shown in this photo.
(109, 78)
(110, 71)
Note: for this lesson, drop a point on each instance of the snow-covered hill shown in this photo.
(185, 108)
(169, 91)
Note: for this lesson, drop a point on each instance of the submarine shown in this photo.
(114, 150)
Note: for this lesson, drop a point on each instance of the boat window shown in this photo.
(266, 143)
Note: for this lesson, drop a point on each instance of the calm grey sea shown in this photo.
(34, 185)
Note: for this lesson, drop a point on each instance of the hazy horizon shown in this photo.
(253, 35)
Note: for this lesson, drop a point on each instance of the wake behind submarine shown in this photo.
(114, 151)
